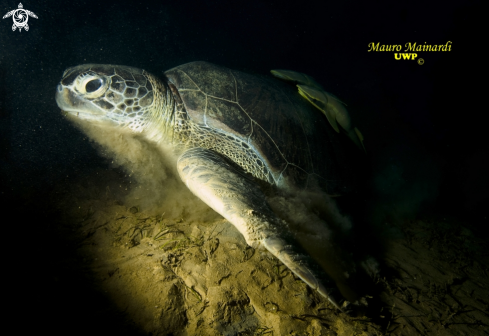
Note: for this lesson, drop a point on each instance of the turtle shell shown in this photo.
(289, 136)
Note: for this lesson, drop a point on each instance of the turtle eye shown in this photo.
(93, 85)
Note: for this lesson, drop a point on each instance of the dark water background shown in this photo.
(423, 124)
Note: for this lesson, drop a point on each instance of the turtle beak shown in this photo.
(70, 103)
(64, 100)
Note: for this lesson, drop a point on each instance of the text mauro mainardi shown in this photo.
(410, 47)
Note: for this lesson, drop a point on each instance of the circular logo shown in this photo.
(20, 17)
(420, 61)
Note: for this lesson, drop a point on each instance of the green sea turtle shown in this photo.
(236, 136)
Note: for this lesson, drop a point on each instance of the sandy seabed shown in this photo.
(182, 275)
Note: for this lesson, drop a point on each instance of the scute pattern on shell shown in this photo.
(262, 125)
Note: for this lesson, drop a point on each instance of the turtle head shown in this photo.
(109, 94)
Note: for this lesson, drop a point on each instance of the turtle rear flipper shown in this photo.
(237, 198)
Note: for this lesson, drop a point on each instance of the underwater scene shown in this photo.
(244, 168)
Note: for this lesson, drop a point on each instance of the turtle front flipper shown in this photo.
(231, 193)
(329, 104)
